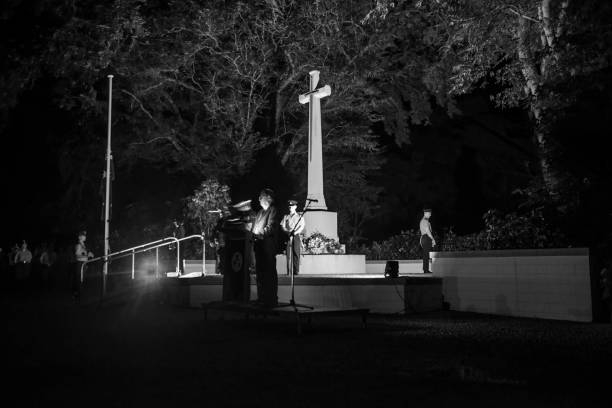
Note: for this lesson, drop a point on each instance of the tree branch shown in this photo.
(527, 67)
(562, 17)
(521, 15)
(547, 23)
(139, 102)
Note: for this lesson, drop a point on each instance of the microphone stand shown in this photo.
(290, 254)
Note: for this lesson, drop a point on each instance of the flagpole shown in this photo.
(108, 181)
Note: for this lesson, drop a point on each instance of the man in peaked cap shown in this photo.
(293, 225)
(427, 240)
(81, 255)
(242, 206)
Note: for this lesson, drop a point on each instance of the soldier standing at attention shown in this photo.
(293, 225)
(81, 255)
(427, 240)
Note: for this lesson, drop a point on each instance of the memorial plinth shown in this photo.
(327, 264)
(324, 222)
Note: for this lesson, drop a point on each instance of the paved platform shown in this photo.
(405, 294)
(140, 353)
(298, 311)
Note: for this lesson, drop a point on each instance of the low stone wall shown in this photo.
(379, 295)
(404, 266)
(325, 264)
(550, 284)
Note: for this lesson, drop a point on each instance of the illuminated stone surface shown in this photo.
(320, 219)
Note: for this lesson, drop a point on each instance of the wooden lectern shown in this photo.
(237, 261)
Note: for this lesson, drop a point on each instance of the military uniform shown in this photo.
(293, 223)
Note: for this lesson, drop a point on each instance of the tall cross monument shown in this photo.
(317, 217)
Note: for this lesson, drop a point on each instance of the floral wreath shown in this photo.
(318, 243)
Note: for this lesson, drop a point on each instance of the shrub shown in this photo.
(209, 195)
(509, 231)
(402, 246)
(512, 231)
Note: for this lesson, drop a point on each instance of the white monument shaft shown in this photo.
(317, 218)
(315, 141)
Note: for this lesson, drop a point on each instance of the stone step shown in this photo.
(328, 264)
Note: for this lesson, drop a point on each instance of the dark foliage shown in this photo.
(502, 231)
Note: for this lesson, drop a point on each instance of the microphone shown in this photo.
(314, 200)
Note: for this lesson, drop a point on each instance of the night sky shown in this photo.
(461, 165)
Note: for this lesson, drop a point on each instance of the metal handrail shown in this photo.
(147, 247)
(123, 253)
(141, 246)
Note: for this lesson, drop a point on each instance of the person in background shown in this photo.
(427, 240)
(605, 280)
(265, 237)
(36, 272)
(178, 229)
(23, 262)
(293, 225)
(46, 260)
(178, 232)
(81, 255)
(11, 263)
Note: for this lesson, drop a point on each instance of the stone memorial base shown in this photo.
(328, 264)
(324, 222)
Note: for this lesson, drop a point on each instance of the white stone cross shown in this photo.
(315, 143)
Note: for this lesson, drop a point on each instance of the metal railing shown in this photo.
(148, 247)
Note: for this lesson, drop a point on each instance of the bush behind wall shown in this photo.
(502, 231)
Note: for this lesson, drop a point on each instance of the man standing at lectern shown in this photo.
(293, 225)
(265, 235)
(427, 240)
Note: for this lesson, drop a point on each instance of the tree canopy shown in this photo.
(204, 88)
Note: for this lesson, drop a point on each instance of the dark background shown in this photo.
(460, 166)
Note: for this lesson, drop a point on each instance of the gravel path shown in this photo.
(135, 352)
